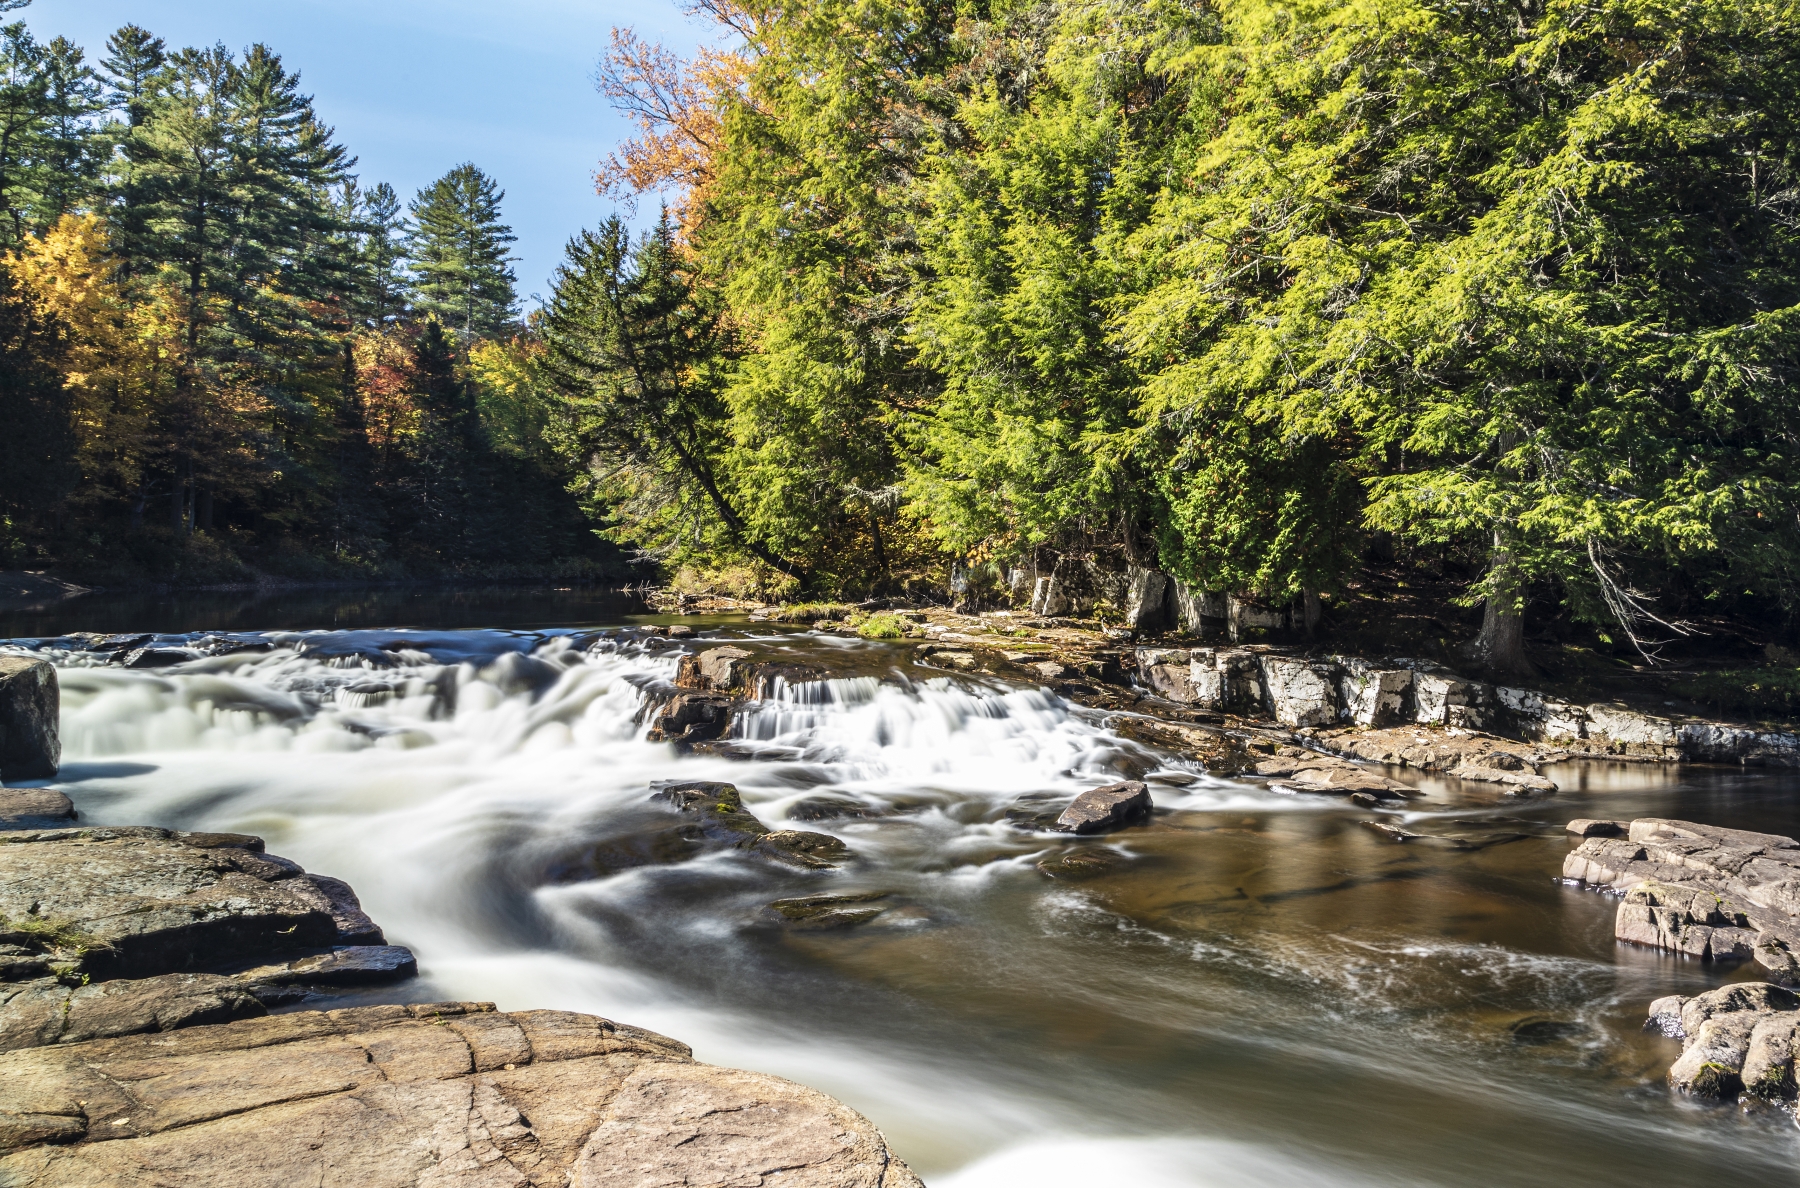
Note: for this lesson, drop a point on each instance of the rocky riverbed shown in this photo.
(139, 969)
(911, 847)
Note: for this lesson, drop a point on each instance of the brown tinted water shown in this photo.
(1254, 989)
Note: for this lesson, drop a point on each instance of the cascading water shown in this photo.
(1254, 989)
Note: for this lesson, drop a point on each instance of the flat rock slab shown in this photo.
(1101, 809)
(1712, 893)
(447, 1095)
(46, 1011)
(349, 965)
(34, 808)
(139, 902)
(1465, 754)
(1585, 827)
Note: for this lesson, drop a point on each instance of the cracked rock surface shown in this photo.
(429, 1095)
(1712, 893)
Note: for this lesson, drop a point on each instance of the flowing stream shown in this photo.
(1257, 989)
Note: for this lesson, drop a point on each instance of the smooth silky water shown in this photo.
(1257, 989)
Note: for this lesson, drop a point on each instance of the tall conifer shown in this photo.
(460, 265)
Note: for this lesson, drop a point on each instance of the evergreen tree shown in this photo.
(131, 73)
(461, 270)
(379, 254)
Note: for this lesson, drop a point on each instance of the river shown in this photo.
(1257, 989)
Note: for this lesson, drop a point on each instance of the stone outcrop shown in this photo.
(1295, 769)
(1711, 893)
(1738, 1042)
(138, 902)
(1099, 810)
(1353, 691)
(419, 1096)
(689, 718)
(30, 748)
(1464, 754)
(716, 670)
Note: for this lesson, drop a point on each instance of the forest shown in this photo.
(223, 356)
(1258, 295)
(952, 294)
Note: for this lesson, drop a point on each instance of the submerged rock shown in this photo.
(1100, 810)
(1087, 863)
(426, 1094)
(817, 912)
(720, 821)
(30, 748)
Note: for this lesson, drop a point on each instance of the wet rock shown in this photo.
(720, 821)
(1299, 692)
(47, 1011)
(94, 641)
(438, 1094)
(680, 631)
(820, 912)
(950, 658)
(688, 718)
(1584, 827)
(154, 657)
(1310, 771)
(138, 902)
(716, 670)
(1100, 810)
(1050, 670)
(1719, 1031)
(1716, 894)
(34, 808)
(345, 965)
(30, 748)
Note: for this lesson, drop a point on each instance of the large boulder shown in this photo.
(1736, 1040)
(716, 670)
(1146, 599)
(138, 902)
(29, 705)
(34, 808)
(438, 1095)
(1099, 810)
(1167, 672)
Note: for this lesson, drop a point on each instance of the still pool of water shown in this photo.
(1256, 989)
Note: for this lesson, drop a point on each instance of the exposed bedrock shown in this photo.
(1711, 893)
(420, 1096)
(1354, 692)
(137, 902)
(29, 703)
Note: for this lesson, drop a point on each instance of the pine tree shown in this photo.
(131, 73)
(379, 297)
(459, 254)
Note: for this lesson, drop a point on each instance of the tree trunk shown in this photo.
(1500, 645)
(1311, 611)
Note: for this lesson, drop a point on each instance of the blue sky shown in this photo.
(415, 87)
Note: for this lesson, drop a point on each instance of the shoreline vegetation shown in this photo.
(1314, 311)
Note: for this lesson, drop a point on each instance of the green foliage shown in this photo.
(882, 626)
(1760, 692)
